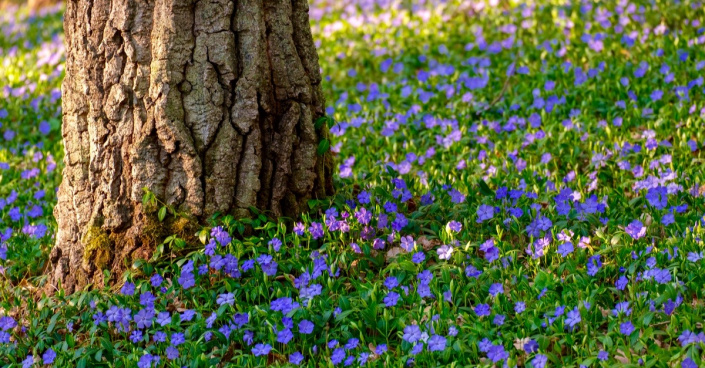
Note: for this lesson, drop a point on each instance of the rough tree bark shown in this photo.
(210, 104)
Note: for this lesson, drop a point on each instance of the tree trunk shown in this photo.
(210, 104)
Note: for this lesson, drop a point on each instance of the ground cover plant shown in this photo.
(519, 184)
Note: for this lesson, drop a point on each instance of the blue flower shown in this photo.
(412, 334)
(496, 289)
(306, 327)
(163, 318)
(49, 356)
(497, 353)
(531, 346)
(391, 299)
(261, 349)
(573, 318)
(484, 212)
(437, 343)
(626, 328)
(688, 363)
(338, 356)
(128, 289)
(482, 310)
(172, 353)
(296, 358)
(226, 298)
(565, 249)
(284, 336)
(539, 361)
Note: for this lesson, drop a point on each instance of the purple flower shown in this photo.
(338, 356)
(688, 363)
(284, 305)
(49, 356)
(539, 361)
(144, 317)
(276, 244)
(296, 358)
(248, 337)
(128, 289)
(622, 307)
(408, 243)
(156, 280)
(391, 282)
(136, 336)
(448, 296)
(482, 310)
(484, 212)
(172, 353)
(44, 127)
(603, 355)
(497, 353)
(363, 197)
(163, 319)
(299, 228)
(471, 271)
(626, 328)
(221, 236)
(362, 358)
(316, 230)
(261, 349)
(159, 336)
(445, 252)
(412, 334)
(573, 318)
(147, 360)
(594, 264)
(531, 346)
(381, 349)
(391, 299)
(621, 283)
(695, 257)
(455, 226)
(363, 216)
(352, 344)
(226, 298)
(436, 343)
(284, 336)
(565, 249)
(306, 327)
(177, 338)
(636, 229)
(456, 196)
(657, 197)
(496, 289)
(418, 257)
(491, 252)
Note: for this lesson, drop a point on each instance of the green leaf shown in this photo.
(179, 243)
(52, 323)
(162, 213)
(82, 363)
(484, 188)
(203, 236)
(323, 147)
(320, 122)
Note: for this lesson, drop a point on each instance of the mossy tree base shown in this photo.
(210, 105)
